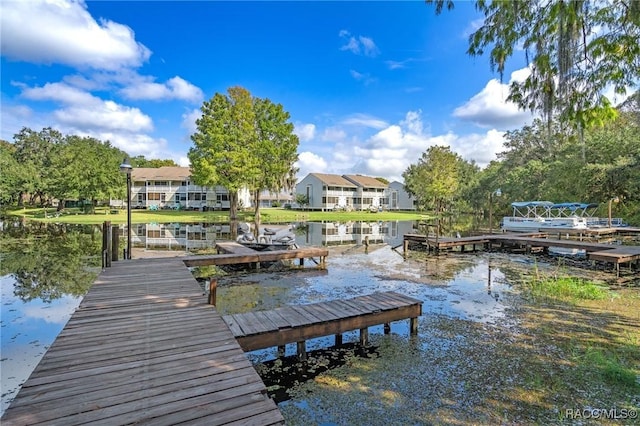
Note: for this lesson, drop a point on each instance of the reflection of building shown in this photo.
(330, 192)
(335, 233)
(171, 187)
(179, 236)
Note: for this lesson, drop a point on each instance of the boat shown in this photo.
(532, 216)
(270, 238)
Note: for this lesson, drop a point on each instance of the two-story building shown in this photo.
(171, 187)
(352, 192)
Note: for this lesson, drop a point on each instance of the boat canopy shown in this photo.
(549, 209)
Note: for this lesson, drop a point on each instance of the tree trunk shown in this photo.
(256, 201)
(233, 206)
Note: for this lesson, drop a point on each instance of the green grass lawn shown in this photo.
(268, 215)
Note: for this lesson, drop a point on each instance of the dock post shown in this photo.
(213, 286)
(281, 351)
(387, 328)
(364, 336)
(302, 261)
(115, 242)
(405, 247)
(302, 350)
(338, 341)
(413, 325)
(106, 243)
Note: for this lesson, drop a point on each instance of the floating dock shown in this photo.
(296, 324)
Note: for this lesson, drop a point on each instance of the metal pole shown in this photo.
(129, 215)
(490, 213)
(610, 201)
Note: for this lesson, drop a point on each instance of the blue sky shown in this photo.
(369, 85)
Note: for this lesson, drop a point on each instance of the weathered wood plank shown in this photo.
(144, 347)
(304, 322)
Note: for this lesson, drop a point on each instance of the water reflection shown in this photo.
(197, 236)
(45, 269)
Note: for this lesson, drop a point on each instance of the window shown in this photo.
(222, 197)
(154, 196)
(162, 183)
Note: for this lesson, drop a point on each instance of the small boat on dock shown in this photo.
(269, 238)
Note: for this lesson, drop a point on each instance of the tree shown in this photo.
(577, 49)
(243, 142)
(35, 152)
(433, 180)
(276, 149)
(141, 161)
(225, 135)
(88, 169)
(10, 174)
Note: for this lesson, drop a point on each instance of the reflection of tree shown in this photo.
(49, 260)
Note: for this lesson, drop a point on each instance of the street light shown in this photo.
(612, 200)
(125, 167)
(498, 193)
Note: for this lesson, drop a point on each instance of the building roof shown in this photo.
(333, 180)
(161, 173)
(365, 181)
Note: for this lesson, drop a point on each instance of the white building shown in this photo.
(399, 198)
(357, 192)
(171, 187)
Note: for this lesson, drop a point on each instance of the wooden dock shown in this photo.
(613, 254)
(296, 324)
(235, 253)
(144, 347)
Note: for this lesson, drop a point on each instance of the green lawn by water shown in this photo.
(268, 215)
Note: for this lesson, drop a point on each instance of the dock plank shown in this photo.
(303, 322)
(131, 354)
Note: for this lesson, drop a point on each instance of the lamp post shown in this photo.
(125, 167)
(612, 200)
(498, 193)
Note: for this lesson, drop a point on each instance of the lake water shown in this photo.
(45, 270)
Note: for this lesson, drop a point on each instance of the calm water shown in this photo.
(45, 270)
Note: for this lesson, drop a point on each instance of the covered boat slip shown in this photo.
(144, 347)
(531, 216)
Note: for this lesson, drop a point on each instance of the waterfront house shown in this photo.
(171, 187)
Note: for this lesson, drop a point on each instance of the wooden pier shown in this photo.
(234, 253)
(613, 254)
(144, 347)
(296, 324)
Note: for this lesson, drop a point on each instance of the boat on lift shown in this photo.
(532, 216)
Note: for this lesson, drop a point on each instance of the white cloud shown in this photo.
(368, 46)
(174, 88)
(365, 78)
(366, 121)
(391, 149)
(305, 132)
(59, 92)
(308, 162)
(189, 120)
(489, 108)
(63, 31)
(358, 45)
(104, 115)
(333, 134)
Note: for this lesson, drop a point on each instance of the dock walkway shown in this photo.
(296, 324)
(144, 347)
(613, 254)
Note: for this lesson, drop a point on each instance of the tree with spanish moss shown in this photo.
(576, 49)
